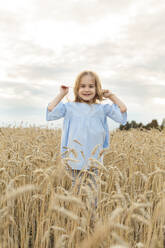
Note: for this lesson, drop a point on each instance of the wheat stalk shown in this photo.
(66, 212)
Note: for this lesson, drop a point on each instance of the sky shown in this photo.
(44, 44)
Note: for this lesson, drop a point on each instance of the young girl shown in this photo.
(85, 119)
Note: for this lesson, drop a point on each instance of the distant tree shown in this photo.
(163, 124)
(124, 127)
(134, 124)
(152, 124)
(140, 125)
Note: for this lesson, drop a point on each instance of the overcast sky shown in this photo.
(46, 43)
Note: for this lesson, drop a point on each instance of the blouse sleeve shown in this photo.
(58, 112)
(113, 112)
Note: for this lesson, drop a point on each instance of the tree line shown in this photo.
(153, 124)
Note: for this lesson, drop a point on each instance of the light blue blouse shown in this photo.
(86, 124)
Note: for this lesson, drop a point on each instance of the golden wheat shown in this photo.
(39, 207)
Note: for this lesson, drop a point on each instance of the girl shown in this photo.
(85, 120)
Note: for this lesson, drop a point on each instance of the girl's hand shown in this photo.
(107, 93)
(64, 90)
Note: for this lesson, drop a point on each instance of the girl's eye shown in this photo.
(83, 86)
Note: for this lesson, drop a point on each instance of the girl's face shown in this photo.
(87, 88)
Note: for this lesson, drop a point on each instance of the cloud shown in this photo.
(22, 94)
(10, 22)
(45, 64)
(82, 12)
(47, 43)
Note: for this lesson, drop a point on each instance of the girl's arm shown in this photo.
(63, 91)
(115, 99)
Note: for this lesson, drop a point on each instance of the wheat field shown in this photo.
(40, 208)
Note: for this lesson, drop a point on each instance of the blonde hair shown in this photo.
(98, 96)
